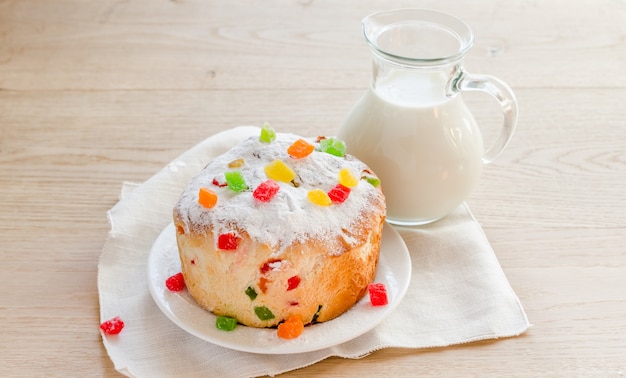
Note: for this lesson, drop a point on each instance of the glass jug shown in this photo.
(412, 126)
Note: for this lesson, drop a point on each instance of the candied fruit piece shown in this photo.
(319, 197)
(333, 146)
(228, 242)
(378, 294)
(219, 181)
(235, 181)
(250, 292)
(290, 328)
(267, 133)
(207, 198)
(175, 282)
(293, 282)
(300, 148)
(112, 326)
(347, 179)
(372, 180)
(263, 313)
(237, 163)
(271, 264)
(263, 284)
(316, 315)
(339, 193)
(279, 171)
(266, 190)
(225, 323)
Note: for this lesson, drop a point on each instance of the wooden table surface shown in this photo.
(94, 93)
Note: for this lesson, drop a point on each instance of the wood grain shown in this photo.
(96, 93)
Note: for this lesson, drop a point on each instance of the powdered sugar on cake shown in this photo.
(289, 217)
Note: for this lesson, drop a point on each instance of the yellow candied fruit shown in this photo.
(319, 197)
(347, 179)
(237, 163)
(279, 171)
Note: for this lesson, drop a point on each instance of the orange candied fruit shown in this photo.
(300, 148)
(290, 328)
(207, 198)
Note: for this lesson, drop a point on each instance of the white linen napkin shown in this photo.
(458, 291)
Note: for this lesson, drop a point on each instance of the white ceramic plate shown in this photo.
(394, 270)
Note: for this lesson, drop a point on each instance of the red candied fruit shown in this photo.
(270, 265)
(293, 282)
(112, 326)
(175, 282)
(266, 190)
(228, 242)
(219, 181)
(378, 294)
(339, 193)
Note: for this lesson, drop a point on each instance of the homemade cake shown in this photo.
(280, 226)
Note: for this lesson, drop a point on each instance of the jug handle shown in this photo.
(505, 97)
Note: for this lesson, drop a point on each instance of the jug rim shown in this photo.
(378, 22)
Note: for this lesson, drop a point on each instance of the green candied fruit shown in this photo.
(263, 313)
(225, 323)
(250, 292)
(333, 146)
(374, 181)
(317, 314)
(267, 133)
(235, 181)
